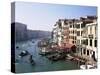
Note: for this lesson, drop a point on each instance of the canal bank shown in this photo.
(41, 62)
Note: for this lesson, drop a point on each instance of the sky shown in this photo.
(41, 16)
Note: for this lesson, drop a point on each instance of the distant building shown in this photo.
(60, 32)
(65, 32)
(20, 31)
(72, 31)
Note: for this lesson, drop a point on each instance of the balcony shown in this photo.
(90, 35)
(84, 35)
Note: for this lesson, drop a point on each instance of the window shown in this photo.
(73, 31)
(73, 42)
(83, 42)
(73, 26)
(78, 42)
(70, 26)
(86, 42)
(90, 51)
(87, 52)
(82, 25)
(81, 33)
(81, 51)
(73, 37)
(84, 51)
(78, 26)
(90, 30)
(90, 42)
(70, 32)
(70, 22)
(65, 22)
(78, 33)
(95, 43)
(95, 30)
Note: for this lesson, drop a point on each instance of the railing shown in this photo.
(90, 35)
(84, 36)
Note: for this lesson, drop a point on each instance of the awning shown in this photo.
(66, 46)
(69, 46)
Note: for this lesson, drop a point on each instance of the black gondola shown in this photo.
(31, 60)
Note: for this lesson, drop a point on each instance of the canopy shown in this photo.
(66, 46)
(69, 46)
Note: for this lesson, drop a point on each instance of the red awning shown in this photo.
(66, 46)
(69, 45)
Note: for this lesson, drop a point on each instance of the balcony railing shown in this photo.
(90, 35)
(84, 36)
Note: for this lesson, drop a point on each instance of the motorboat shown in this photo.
(83, 67)
(24, 53)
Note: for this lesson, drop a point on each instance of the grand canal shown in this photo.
(41, 62)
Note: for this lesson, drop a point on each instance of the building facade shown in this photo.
(61, 32)
(72, 31)
(81, 33)
(88, 47)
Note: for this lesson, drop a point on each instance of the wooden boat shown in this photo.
(56, 57)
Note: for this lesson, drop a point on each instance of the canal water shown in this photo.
(41, 62)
